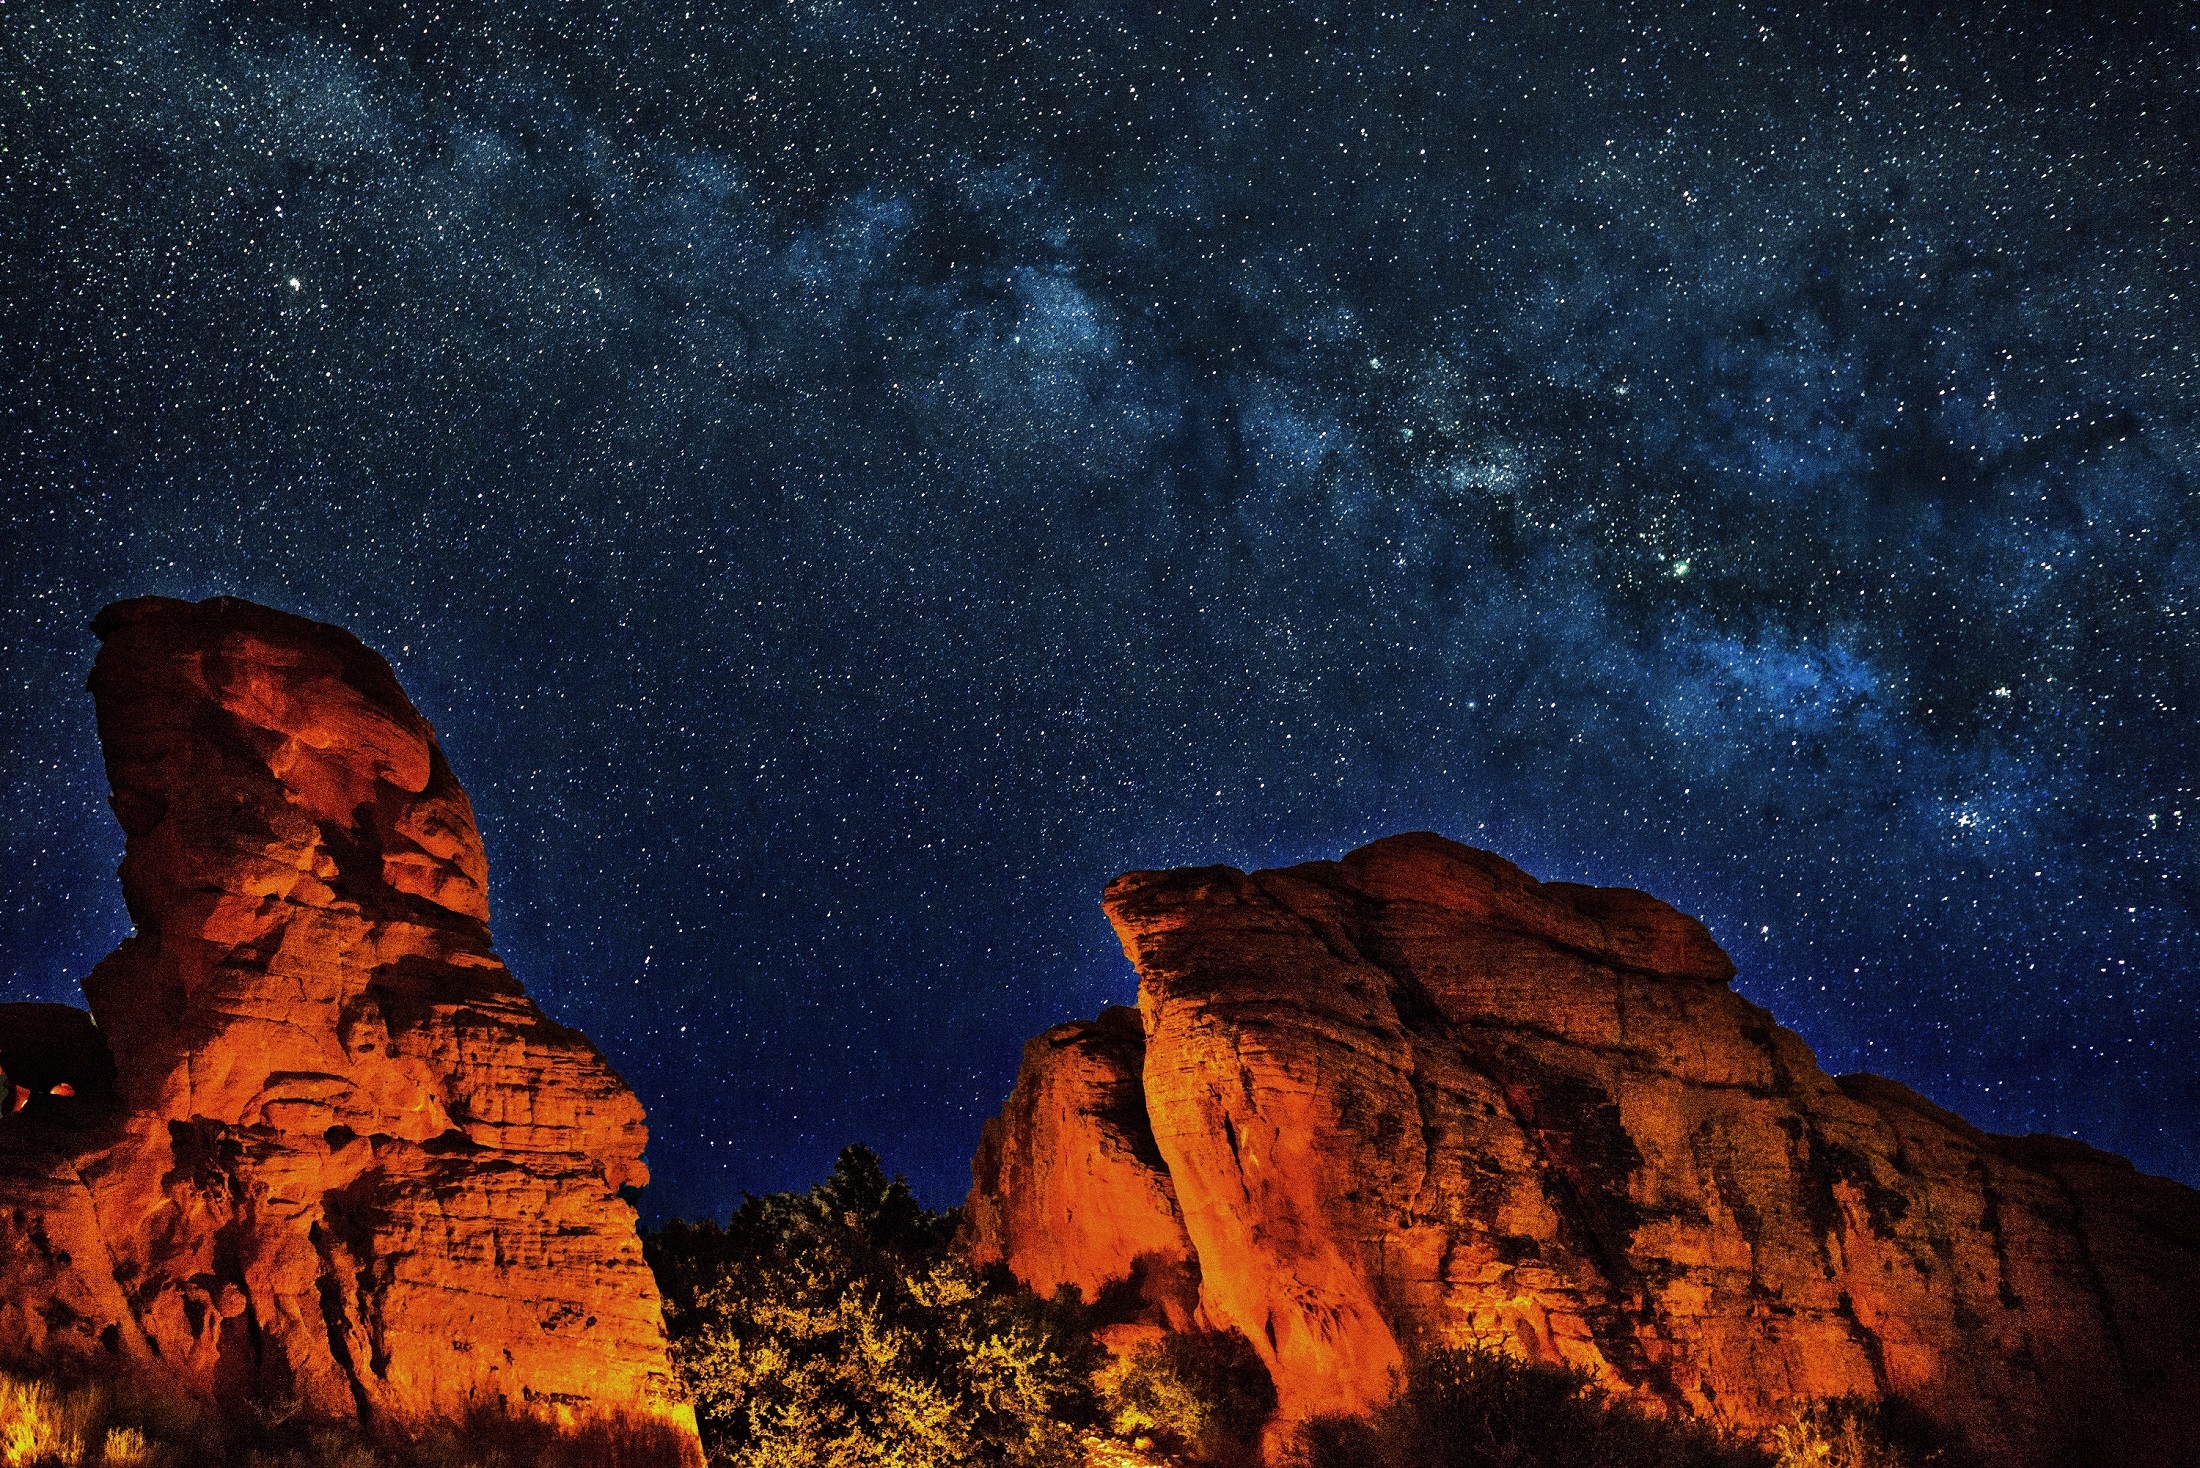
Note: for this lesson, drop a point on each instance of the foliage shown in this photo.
(1203, 1394)
(485, 1440)
(1852, 1433)
(836, 1328)
(125, 1447)
(1475, 1408)
(49, 1424)
(327, 1448)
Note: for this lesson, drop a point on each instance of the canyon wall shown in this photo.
(1416, 1098)
(330, 1159)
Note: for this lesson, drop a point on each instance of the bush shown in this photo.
(835, 1328)
(325, 1448)
(1852, 1433)
(62, 1424)
(1202, 1394)
(485, 1439)
(125, 1447)
(49, 1425)
(1476, 1408)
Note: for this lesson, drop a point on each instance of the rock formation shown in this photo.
(1069, 1187)
(1416, 1098)
(339, 1163)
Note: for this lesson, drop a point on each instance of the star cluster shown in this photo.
(847, 478)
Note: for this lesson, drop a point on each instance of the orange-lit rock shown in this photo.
(346, 1165)
(1416, 1098)
(1069, 1189)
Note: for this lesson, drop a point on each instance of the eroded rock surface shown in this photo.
(345, 1165)
(1070, 1187)
(1416, 1097)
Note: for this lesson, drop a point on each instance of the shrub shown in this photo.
(486, 1439)
(125, 1447)
(1204, 1394)
(325, 1448)
(48, 1425)
(1475, 1408)
(1849, 1432)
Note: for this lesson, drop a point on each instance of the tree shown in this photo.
(835, 1328)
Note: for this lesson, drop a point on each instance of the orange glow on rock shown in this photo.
(354, 1165)
(1417, 1098)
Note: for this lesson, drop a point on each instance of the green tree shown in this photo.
(835, 1328)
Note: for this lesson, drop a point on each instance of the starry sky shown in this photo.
(848, 477)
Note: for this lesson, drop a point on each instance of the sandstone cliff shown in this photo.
(339, 1163)
(1416, 1097)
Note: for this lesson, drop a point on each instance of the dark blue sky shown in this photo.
(847, 479)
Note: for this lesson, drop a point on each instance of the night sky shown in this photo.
(846, 479)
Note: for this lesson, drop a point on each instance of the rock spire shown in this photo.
(334, 1160)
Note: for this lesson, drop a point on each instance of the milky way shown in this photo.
(847, 479)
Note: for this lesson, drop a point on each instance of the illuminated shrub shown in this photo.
(45, 1425)
(125, 1447)
(1204, 1394)
(1850, 1433)
(37, 1426)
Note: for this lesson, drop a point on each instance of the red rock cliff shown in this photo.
(1416, 1097)
(346, 1165)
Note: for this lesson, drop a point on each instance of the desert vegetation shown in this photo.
(839, 1327)
(45, 1424)
(1479, 1408)
(64, 1424)
(1200, 1397)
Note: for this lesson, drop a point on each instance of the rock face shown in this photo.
(342, 1164)
(1416, 1098)
(1070, 1187)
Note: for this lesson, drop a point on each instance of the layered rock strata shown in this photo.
(1416, 1098)
(339, 1162)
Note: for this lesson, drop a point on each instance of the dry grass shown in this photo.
(41, 1425)
(126, 1447)
(487, 1440)
(47, 1425)
(1474, 1408)
(503, 1440)
(1851, 1433)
